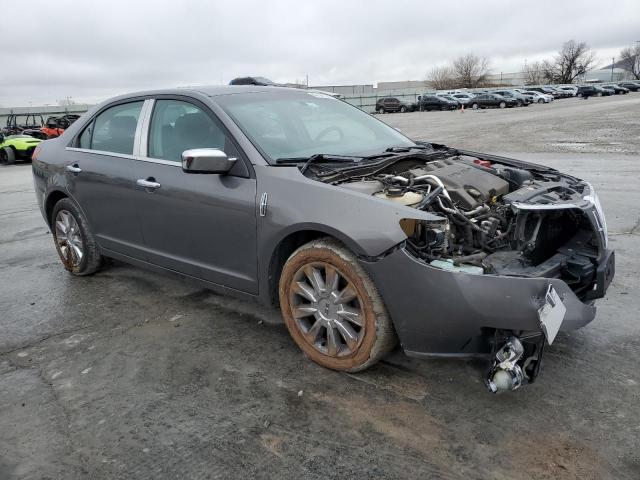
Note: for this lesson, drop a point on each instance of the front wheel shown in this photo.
(403, 109)
(381, 110)
(540, 100)
(332, 309)
(75, 243)
(475, 106)
(502, 105)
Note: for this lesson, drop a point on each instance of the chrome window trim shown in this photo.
(122, 155)
(143, 124)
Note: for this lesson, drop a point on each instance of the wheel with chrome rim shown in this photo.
(332, 309)
(74, 241)
(68, 238)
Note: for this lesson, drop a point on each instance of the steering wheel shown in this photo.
(328, 130)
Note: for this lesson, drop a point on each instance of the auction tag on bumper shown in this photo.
(551, 314)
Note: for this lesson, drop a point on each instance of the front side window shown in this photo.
(177, 126)
(113, 130)
(285, 124)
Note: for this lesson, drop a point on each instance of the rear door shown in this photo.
(99, 175)
(203, 225)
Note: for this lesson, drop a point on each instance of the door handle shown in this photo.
(148, 183)
(73, 168)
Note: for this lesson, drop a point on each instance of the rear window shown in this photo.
(113, 130)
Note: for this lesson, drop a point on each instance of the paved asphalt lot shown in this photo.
(132, 375)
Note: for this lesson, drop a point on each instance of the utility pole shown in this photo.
(613, 60)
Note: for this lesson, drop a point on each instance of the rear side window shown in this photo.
(177, 126)
(113, 130)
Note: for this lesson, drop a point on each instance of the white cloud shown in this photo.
(94, 49)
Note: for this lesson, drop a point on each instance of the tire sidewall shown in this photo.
(351, 271)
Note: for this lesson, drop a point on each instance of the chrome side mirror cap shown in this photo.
(206, 160)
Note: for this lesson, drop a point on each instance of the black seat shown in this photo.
(121, 134)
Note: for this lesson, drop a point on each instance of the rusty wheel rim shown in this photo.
(68, 238)
(327, 309)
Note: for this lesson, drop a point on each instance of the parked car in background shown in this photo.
(539, 97)
(393, 104)
(634, 87)
(436, 102)
(522, 100)
(571, 89)
(616, 89)
(359, 235)
(463, 98)
(558, 92)
(545, 90)
(450, 97)
(487, 100)
(593, 91)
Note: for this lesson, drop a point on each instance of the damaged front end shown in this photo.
(517, 253)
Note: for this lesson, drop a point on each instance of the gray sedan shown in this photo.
(359, 235)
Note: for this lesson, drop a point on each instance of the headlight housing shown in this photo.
(592, 197)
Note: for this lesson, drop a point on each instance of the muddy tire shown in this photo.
(332, 309)
(7, 156)
(75, 244)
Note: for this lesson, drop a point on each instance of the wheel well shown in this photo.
(52, 199)
(282, 252)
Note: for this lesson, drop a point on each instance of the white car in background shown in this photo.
(572, 89)
(463, 98)
(539, 97)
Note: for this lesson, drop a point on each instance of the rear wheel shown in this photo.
(332, 309)
(403, 109)
(502, 105)
(381, 110)
(475, 106)
(75, 243)
(7, 155)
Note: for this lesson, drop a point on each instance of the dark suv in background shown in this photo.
(591, 91)
(521, 99)
(392, 104)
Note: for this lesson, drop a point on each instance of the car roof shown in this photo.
(211, 91)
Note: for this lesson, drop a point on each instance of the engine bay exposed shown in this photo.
(496, 217)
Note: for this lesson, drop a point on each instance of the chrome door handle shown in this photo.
(141, 182)
(73, 168)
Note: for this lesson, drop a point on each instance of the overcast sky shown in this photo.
(92, 49)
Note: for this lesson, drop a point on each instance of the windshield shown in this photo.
(286, 124)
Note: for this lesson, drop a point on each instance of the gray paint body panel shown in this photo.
(216, 236)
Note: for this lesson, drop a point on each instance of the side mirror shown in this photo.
(206, 160)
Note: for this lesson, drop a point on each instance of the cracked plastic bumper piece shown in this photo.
(438, 312)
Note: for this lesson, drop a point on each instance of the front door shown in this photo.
(203, 225)
(99, 171)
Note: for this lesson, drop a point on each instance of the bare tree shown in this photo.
(534, 74)
(470, 70)
(441, 78)
(573, 60)
(630, 60)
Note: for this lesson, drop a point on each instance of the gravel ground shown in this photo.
(128, 374)
(597, 125)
